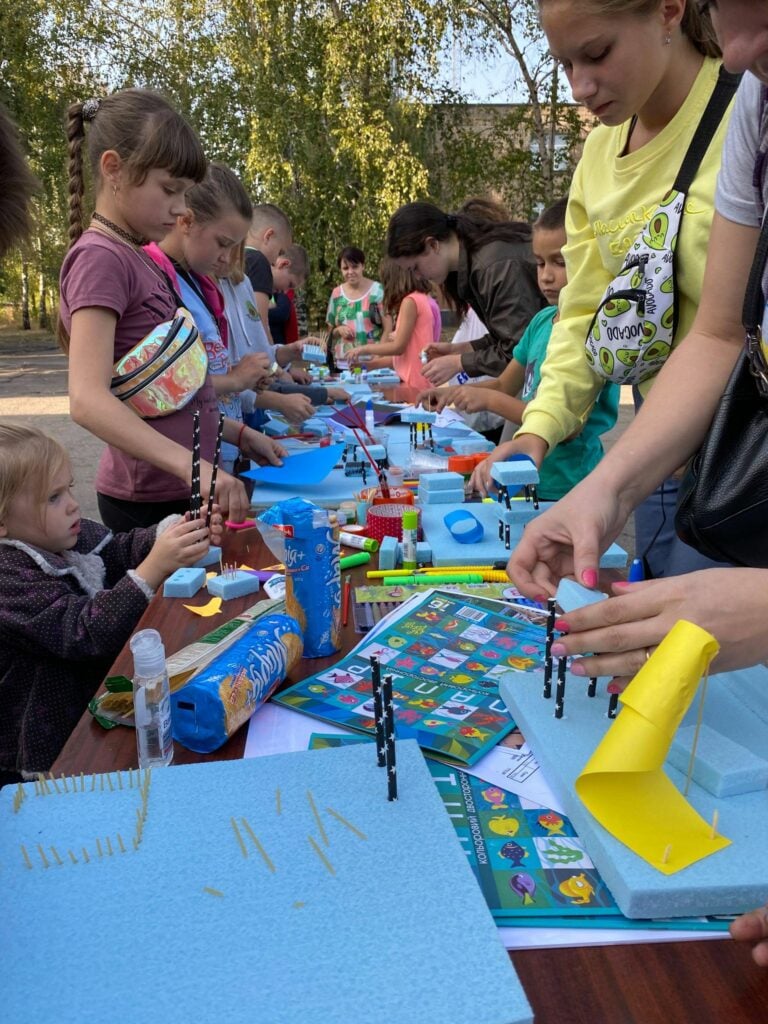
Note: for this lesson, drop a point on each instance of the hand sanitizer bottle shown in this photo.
(151, 700)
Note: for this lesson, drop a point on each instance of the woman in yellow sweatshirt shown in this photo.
(646, 69)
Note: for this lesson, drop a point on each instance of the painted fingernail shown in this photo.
(577, 669)
(561, 625)
(622, 585)
(589, 578)
(541, 598)
(613, 688)
(559, 650)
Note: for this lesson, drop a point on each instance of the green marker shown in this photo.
(350, 561)
(432, 578)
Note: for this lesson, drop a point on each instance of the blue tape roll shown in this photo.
(464, 527)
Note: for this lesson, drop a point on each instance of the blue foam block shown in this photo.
(313, 353)
(720, 766)
(316, 426)
(184, 582)
(388, 553)
(728, 882)
(519, 512)
(417, 416)
(423, 554)
(441, 481)
(237, 584)
(453, 497)
(229, 938)
(472, 445)
(614, 558)
(571, 595)
(516, 473)
(376, 451)
(211, 557)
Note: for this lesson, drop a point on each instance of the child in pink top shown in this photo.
(407, 299)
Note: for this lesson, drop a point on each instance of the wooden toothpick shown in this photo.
(715, 820)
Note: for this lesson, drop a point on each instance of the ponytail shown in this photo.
(476, 223)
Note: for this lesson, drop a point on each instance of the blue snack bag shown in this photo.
(218, 699)
(301, 535)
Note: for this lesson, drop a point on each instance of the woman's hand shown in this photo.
(265, 451)
(753, 927)
(616, 635)
(345, 331)
(568, 538)
(440, 370)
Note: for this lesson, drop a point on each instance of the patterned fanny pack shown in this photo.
(634, 327)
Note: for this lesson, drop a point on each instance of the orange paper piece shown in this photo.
(624, 785)
(206, 610)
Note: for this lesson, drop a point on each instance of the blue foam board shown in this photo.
(446, 550)
(731, 881)
(336, 487)
(721, 766)
(521, 512)
(288, 946)
(185, 582)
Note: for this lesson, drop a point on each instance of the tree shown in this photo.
(532, 146)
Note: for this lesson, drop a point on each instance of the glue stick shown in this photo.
(356, 540)
(410, 536)
(370, 423)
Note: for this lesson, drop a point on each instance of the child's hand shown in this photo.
(216, 529)
(440, 370)
(300, 376)
(346, 332)
(353, 354)
(264, 450)
(439, 348)
(469, 399)
(336, 395)
(296, 408)
(182, 544)
(251, 372)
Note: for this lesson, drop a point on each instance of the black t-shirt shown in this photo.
(258, 271)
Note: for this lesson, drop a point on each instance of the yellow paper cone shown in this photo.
(623, 784)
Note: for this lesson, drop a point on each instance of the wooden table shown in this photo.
(713, 982)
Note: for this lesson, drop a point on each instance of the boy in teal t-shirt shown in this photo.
(573, 459)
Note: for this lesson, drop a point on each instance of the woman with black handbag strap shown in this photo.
(732, 603)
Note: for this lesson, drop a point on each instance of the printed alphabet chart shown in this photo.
(445, 652)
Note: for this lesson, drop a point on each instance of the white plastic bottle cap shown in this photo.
(148, 653)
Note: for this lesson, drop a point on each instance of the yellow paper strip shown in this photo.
(624, 785)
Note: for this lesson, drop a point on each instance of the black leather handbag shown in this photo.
(722, 507)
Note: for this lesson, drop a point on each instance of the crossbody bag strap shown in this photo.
(754, 300)
(722, 94)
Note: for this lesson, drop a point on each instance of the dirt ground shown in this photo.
(33, 391)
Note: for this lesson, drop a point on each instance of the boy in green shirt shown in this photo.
(572, 460)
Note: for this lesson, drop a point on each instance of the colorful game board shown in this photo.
(445, 652)
(284, 890)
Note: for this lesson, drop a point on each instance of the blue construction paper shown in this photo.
(301, 468)
(289, 946)
(729, 882)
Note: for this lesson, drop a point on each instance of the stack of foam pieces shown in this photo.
(511, 477)
(475, 444)
(441, 488)
(391, 553)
